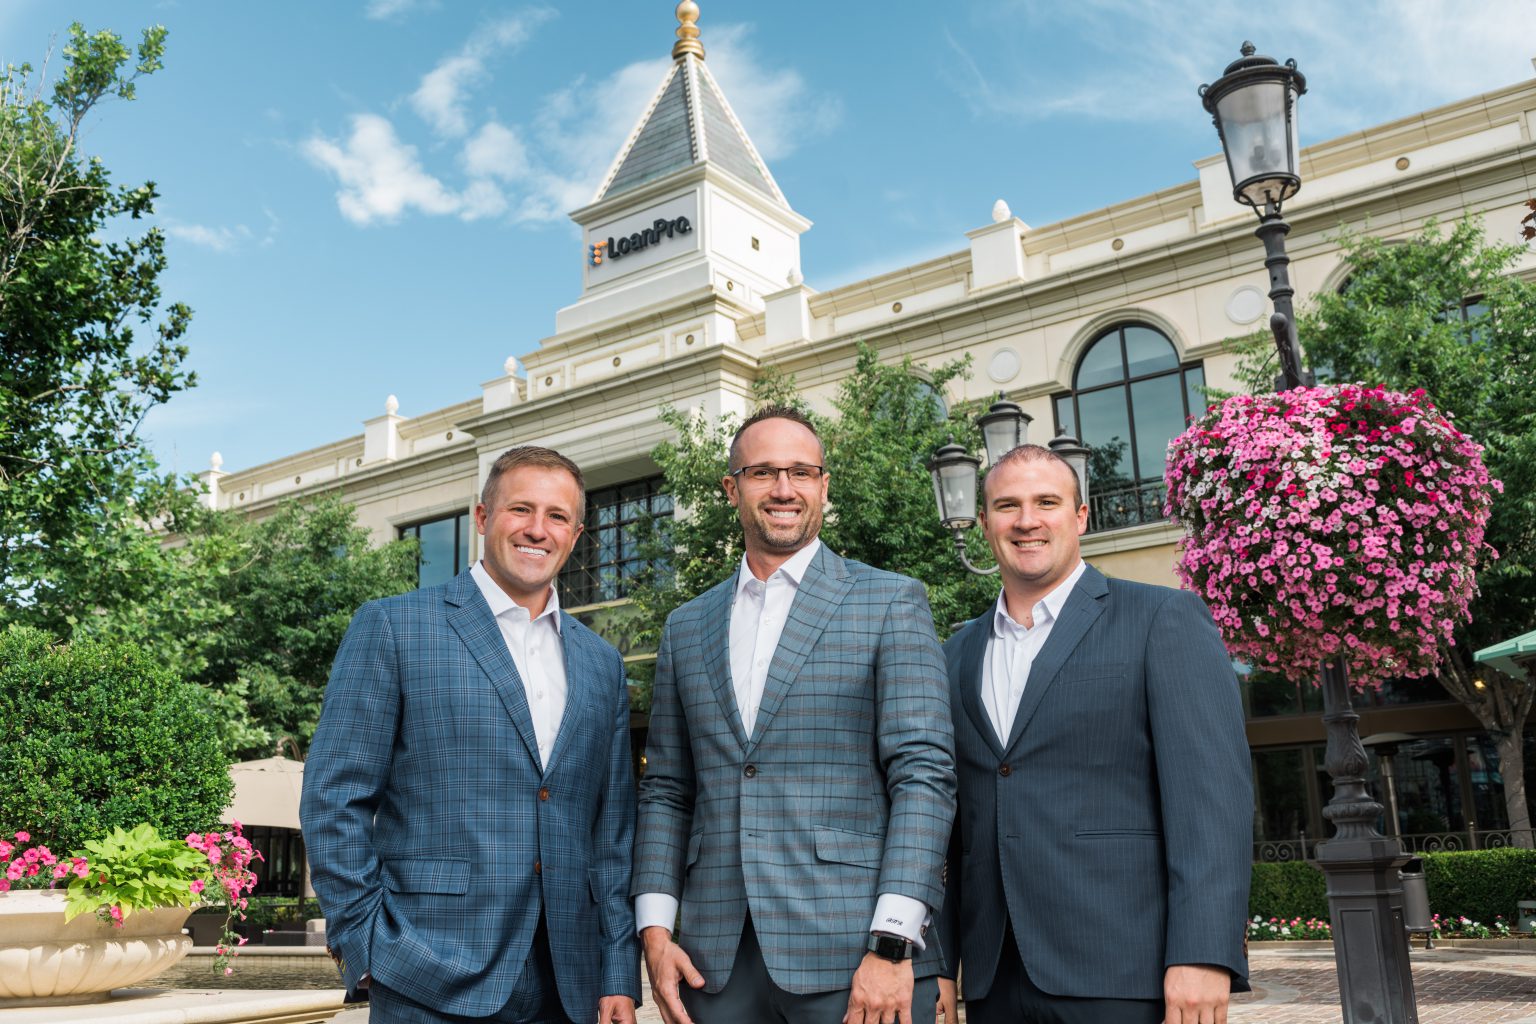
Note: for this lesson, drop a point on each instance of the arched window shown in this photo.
(1130, 396)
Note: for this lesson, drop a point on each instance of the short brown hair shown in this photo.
(1037, 453)
(772, 412)
(533, 455)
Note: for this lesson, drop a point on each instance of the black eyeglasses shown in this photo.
(798, 475)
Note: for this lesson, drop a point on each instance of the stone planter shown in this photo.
(44, 961)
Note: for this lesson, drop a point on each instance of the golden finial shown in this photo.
(687, 31)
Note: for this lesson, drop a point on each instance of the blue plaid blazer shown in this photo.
(1112, 828)
(433, 836)
(844, 790)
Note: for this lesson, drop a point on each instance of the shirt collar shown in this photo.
(1003, 624)
(794, 568)
(501, 602)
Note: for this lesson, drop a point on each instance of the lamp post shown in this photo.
(1254, 106)
(956, 472)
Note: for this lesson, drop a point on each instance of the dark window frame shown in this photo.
(462, 530)
(595, 576)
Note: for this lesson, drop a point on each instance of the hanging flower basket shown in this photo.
(1325, 523)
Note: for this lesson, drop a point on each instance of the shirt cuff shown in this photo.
(900, 915)
(655, 909)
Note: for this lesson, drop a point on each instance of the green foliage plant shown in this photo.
(1288, 890)
(134, 870)
(97, 735)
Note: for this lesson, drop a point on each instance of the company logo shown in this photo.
(610, 249)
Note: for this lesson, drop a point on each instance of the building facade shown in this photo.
(1105, 324)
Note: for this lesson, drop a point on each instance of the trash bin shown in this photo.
(1416, 917)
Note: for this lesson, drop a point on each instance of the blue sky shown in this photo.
(367, 197)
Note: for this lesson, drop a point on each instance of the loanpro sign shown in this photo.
(602, 252)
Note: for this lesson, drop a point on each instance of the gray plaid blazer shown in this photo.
(435, 839)
(845, 789)
(1112, 828)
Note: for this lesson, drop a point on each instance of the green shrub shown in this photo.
(1480, 884)
(1289, 890)
(97, 734)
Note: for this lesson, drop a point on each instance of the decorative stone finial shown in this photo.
(687, 31)
(215, 460)
(793, 277)
(510, 366)
(391, 405)
(1000, 212)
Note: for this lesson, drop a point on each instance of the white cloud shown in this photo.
(388, 10)
(495, 151)
(219, 239)
(1417, 54)
(379, 174)
(776, 106)
(441, 98)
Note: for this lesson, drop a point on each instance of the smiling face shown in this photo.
(530, 531)
(777, 518)
(1032, 526)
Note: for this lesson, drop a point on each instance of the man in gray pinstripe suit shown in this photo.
(800, 775)
(1099, 866)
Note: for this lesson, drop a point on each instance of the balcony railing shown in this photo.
(1305, 847)
(1123, 506)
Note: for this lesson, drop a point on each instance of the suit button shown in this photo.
(750, 771)
(1005, 771)
(544, 793)
(538, 868)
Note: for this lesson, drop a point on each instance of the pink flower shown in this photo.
(197, 886)
(117, 916)
(23, 837)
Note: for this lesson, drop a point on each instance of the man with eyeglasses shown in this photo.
(799, 782)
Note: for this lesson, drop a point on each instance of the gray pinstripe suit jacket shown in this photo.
(844, 790)
(433, 835)
(1112, 828)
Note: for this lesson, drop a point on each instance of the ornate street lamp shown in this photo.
(1254, 106)
(955, 471)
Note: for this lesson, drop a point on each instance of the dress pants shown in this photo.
(534, 1000)
(751, 997)
(1014, 999)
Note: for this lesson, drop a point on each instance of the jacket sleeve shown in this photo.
(667, 788)
(915, 743)
(344, 778)
(1205, 783)
(614, 847)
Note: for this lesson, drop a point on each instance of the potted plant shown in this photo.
(110, 915)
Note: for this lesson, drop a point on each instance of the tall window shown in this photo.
(1130, 396)
(607, 555)
(444, 548)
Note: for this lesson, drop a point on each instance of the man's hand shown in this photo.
(882, 992)
(615, 1010)
(949, 1001)
(1196, 994)
(667, 963)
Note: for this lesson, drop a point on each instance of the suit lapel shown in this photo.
(1084, 606)
(581, 680)
(818, 597)
(971, 662)
(717, 651)
(471, 618)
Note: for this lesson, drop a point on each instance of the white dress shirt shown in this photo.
(535, 648)
(1012, 650)
(758, 612)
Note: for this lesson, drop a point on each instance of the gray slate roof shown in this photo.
(688, 122)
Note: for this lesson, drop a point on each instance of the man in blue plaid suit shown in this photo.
(469, 800)
(1099, 866)
(799, 780)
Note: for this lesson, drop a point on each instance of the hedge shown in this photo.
(1479, 884)
(96, 734)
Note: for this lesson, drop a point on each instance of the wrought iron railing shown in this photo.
(1271, 851)
(1124, 506)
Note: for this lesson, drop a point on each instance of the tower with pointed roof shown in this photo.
(687, 210)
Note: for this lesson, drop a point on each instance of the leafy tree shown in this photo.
(1442, 311)
(886, 420)
(77, 485)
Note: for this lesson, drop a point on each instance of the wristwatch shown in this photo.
(889, 947)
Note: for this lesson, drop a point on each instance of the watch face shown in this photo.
(889, 947)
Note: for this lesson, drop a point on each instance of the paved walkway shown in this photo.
(1298, 986)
